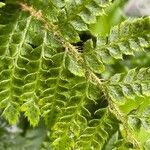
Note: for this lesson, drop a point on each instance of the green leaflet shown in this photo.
(32, 112)
(92, 92)
(24, 75)
(74, 67)
(73, 117)
(11, 113)
(91, 58)
(94, 64)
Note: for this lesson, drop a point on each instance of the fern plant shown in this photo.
(48, 71)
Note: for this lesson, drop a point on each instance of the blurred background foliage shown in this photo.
(24, 137)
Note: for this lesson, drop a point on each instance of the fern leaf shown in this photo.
(10, 49)
(91, 58)
(78, 15)
(58, 81)
(74, 116)
(32, 111)
(125, 39)
(133, 83)
(74, 67)
(96, 134)
(23, 57)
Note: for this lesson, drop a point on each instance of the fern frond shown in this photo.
(74, 117)
(22, 54)
(86, 12)
(125, 39)
(60, 83)
(127, 86)
(77, 15)
(98, 131)
(10, 83)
